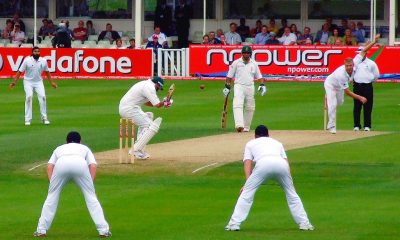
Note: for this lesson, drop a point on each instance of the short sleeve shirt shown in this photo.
(244, 73)
(72, 152)
(339, 79)
(264, 149)
(139, 94)
(33, 69)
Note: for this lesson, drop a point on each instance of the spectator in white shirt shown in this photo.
(17, 36)
(288, 38)
(162, 39)
(232, 37)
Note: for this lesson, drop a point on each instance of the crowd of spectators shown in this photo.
(348, 33)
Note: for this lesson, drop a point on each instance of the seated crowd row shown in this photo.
(349, 34)
(346, 34)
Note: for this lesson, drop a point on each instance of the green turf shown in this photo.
(349, 189)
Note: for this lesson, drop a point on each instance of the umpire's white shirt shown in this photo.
(366, 70)
(264, 149)
(244, 73)
(139, 94)
(33, 69)
(339, 79)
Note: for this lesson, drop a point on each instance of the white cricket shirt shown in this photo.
(244, 73)
(72, 152)
(339, 79)
(264, 149)
(33, 69)
(139, 94)
(366, 71)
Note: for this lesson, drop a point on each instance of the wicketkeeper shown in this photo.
(245, 71)
(143, 93)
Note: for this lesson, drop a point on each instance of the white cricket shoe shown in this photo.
(38, 234)
(332, 130)
(306, 227)
(232, 227)
(356, 129)
(46, 122)
(142, 155)
(27, 123)
(105, 235)
(246, 129)
(367, 129)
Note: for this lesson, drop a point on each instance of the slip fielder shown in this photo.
(72, 161)
(270, 163)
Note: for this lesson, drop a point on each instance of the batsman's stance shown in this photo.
(143, 92)
(245, 71)
(270, 163)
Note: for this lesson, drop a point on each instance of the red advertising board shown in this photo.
(287, 60)
(67, 63)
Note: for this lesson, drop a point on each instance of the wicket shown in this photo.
(124, 150)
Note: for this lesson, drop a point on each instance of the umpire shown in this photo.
(366, 73)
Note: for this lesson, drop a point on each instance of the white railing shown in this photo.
(173, 62)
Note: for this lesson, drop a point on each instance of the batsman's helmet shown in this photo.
(246, 49)
(158, 80)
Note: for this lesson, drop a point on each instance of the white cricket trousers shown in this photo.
(243, 105)
(65, 170)
(334, 98)
(38, 87)
(140, 118)
(278, 169)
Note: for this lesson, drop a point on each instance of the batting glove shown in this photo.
(262, 89)
(168, 104)
(226, 90)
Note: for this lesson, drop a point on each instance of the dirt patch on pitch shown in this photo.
(201, 154)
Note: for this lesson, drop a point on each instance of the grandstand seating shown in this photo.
(197, 37)
(27, 45)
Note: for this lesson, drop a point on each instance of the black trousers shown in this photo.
(366, 90)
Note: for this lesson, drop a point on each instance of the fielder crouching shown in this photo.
(143, 93)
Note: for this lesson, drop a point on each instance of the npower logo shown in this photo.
(78, 63)
(287, 57)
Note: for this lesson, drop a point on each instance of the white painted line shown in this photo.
(206, 166)
(37, 166)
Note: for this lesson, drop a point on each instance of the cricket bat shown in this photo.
(171, 91)
(224, 112)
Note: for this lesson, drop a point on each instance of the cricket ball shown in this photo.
(202, 87)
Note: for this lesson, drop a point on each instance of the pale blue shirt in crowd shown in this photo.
(261, 38)
(324, 37)
(233, 38)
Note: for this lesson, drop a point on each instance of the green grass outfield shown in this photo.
(350, 189)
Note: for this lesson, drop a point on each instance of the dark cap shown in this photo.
(246, 49)
(73, 137)
(261, 131)
(158, 80)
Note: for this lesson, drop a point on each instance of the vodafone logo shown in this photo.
(1, 62)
